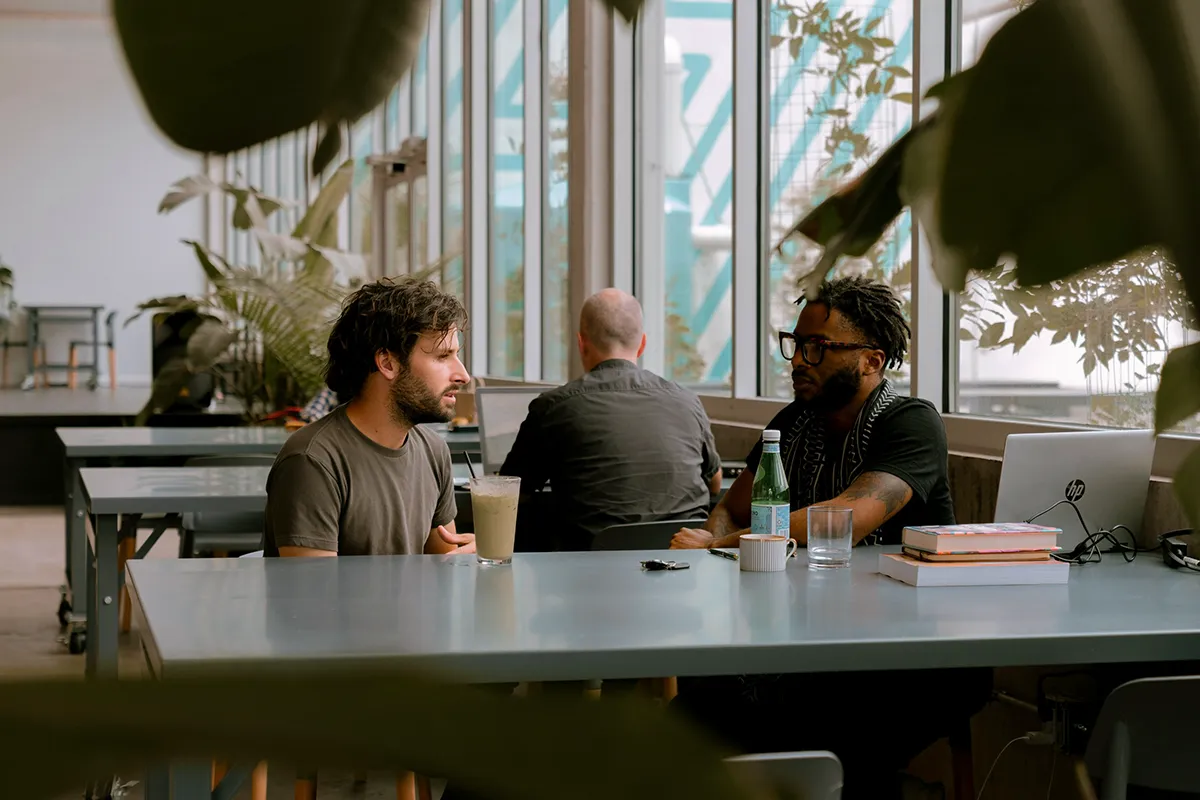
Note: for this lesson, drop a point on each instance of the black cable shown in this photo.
(1088, 551)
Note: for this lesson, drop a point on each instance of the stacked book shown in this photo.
(989, 554)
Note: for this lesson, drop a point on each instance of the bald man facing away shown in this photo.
(619, 444)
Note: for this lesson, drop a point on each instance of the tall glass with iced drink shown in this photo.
(494, 506)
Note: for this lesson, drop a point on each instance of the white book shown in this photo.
(968, 573)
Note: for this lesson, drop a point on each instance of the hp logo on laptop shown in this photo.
(1075, 490)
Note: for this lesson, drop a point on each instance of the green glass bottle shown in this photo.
(770, 501)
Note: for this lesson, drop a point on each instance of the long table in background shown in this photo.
(112, 492)
(94, 446)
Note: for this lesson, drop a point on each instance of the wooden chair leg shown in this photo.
(112, 367)
(72, 363)
(1083, 781)
(258, 782)
(219, 770)
(424, 788)
(125, 551)
(306, 789)
(406, 786)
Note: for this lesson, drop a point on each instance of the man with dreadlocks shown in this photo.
(849, 440)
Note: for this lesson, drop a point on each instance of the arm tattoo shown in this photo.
(882, 487)
(720, 522)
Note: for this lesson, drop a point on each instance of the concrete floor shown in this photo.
(31, 540)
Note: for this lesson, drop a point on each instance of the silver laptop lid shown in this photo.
(501, 410)
(1106, 474)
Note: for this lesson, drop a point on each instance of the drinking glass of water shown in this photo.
(830, 537)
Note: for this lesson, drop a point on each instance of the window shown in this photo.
(363, 144)
(557, 327)
(840, 93)
(453, 197)
(506, 275)
(1085, 350)
(691, 116)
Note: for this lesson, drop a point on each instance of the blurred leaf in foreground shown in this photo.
(57, 735)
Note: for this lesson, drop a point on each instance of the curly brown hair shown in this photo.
(386, 315)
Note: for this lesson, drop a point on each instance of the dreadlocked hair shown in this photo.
(871, 307)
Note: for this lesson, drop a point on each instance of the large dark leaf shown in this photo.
(165, 389)
(200, 64)
(56, 735)
(207, 344)
(219, 75)
(853, 219)
(1031, 168)
(1179, 391)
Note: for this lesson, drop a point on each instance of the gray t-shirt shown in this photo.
(332, 488)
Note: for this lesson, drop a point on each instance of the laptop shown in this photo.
(1106, 474)
(501, 410)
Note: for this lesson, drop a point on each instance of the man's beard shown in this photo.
(413, 403)
(836, 393)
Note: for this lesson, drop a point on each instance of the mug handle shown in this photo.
(792, 547)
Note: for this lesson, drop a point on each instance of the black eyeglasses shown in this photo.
(812, 348)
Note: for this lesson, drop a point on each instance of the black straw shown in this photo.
(471, 468)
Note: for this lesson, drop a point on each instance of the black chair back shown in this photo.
(642, 535)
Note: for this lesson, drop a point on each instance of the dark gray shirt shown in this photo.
(618, 445)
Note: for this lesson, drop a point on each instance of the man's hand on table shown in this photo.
(462, 542)
(692, 539)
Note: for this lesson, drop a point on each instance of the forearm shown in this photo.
(727, 534)
(721, 525)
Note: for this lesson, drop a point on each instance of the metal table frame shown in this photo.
(84, 447)
(38, 315)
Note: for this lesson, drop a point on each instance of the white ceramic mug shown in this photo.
(762, 552)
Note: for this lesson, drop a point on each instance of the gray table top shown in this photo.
(107, 442)
(178, 490)
(570, 616)
(166, 490)
(147, 442)
(124, 401)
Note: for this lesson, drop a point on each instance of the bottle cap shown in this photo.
(770, 435)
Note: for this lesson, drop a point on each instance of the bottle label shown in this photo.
(772, 519)
(770, 447)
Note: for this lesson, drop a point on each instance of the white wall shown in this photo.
(82, 169)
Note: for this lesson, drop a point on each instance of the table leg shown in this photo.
(158, 783)
(76, 524)
(102, 611)
(31, 343)
(89, 607)
(191, 780)
(95, 350)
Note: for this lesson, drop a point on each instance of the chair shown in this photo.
(813, 775)
(642, 535)
(110, 342)
(219, 533)
(1143, 737)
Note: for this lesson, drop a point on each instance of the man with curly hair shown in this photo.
(365, 479)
